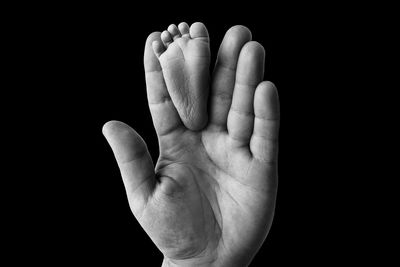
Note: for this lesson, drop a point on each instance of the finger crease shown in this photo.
(242, 112)
(164, 100)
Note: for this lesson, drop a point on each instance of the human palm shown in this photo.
(210, 198)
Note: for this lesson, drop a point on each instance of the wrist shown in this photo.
(203, 263)
(187, 262)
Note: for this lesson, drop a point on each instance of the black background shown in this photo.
(81, 66)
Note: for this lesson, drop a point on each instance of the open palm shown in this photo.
(210, 198)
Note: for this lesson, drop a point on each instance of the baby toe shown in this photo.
(174, 32)
(184, 29)
(158, 47)
(166, 38)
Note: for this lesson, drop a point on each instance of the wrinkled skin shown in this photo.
(184, 56)
(210, 199)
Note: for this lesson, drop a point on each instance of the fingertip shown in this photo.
(107, 127)
(253, 50)
(233, 42)
(149, 58)
(240, 31)
(125, 142)
(268, 88)
(250, 66)
(266, 101)
(112, 127)
(152, 37)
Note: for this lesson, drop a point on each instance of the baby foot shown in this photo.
(184, 55)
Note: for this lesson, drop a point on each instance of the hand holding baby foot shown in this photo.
(210, 199)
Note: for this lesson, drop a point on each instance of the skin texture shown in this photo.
(184, 55)
(210, 199)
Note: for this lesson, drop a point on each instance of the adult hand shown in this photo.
(210, 198)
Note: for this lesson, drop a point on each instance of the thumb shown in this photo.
(134, 161)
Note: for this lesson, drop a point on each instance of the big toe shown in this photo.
(199, 30)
